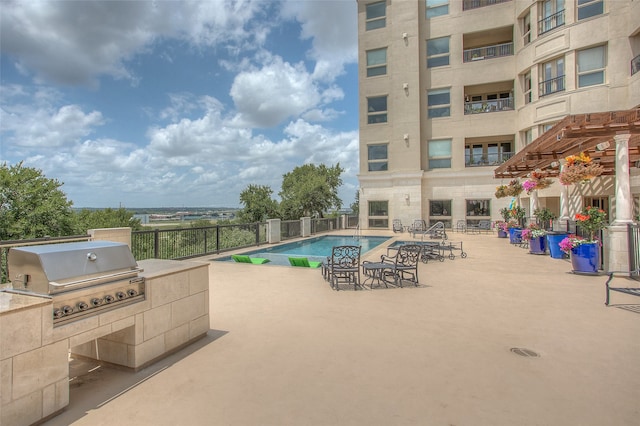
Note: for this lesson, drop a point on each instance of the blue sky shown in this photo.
(178, 103)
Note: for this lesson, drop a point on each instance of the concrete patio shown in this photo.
(285, 349)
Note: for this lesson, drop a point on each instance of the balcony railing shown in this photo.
(635, 65)
(487, 159)
(488, 52)
(482, 107)
(474, 4)
(552, 86)
(550, 22)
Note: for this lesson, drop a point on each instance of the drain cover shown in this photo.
(524, 352)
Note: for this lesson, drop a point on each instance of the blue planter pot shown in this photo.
(585, 258)
(502, 234)
(515, 235)
(538, 245)
(554, 245)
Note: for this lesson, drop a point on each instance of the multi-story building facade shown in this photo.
(450, 89)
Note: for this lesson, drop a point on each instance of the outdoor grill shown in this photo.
(82, 278)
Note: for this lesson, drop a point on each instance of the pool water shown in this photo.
(315, 249)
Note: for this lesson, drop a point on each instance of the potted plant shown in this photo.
(537, 179)
(503, 229)
(536, 237)
(585, 251)
(579, 168)
(544, 216)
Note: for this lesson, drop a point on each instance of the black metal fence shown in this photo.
(183, 243)
(290, 229)
(634, 248)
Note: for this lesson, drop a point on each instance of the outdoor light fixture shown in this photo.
(406, 138)
(405, 36)
(407, 198)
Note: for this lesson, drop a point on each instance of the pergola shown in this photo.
(591, 133)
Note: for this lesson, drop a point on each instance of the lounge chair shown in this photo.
(404, 265)
(304, 262)
(397, 226)
(242, 258)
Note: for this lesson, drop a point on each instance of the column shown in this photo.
(617, 233)
(533, 202)
(564, 201)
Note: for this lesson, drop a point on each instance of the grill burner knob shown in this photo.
(131, 292)
(82, 306)
(96, 302)
(109, 298)
(120, 295)
(57, 313)
(67, 310)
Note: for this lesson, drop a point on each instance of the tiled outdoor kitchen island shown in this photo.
(34, 355)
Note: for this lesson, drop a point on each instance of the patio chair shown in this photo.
(418, 226)
(242, 258)
(404, 265)
(397, 225)
(343, 266)
(303, 262)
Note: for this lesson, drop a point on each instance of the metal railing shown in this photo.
(483, 107)
(634, 248)
(488, 52)
(635, 65)
(551, 22)
(324, 224)
(474, 4)
(552, 85)
(487, 160)
(290, 229)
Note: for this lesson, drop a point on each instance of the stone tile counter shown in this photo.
(34, 369)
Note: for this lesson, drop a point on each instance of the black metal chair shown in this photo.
(397, 225)
(343, 267)
(404, 265)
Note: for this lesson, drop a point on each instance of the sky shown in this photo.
(178, 103)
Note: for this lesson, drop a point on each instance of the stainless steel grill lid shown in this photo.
(70, 264)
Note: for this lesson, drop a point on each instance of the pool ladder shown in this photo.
(357, 234)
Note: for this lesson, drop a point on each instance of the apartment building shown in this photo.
(450, 89)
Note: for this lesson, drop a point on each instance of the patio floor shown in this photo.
(285, 349)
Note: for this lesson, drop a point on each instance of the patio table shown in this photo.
(374, 271)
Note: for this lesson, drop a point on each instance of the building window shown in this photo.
(376, 62)
(591, 66)
(552, 77)
(437, 52)
(437, 8)
(546, 127)
(440, 208)
(589, 8)
(377, 110)
(478, 207)
(440, 154)
(525, 22)
(377, 158)
(378, 214)
(552, 15)
(527, 88)
(527, 136)
(487, 153)
(439, 103)
(376, 15)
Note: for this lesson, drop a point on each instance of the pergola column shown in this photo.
(564, 199)
(533, 202)
(617, 232)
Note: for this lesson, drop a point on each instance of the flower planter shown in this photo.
(502, 233)
(554, 245)
(585, 258)
(538, 245)
(515, 235)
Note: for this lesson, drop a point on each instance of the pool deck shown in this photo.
(285, 349)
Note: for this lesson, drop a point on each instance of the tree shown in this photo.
(107, 218)
(31, 205)
(310, 190)
(258, 205)
(355, 206)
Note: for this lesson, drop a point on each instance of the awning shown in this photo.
(589, 133)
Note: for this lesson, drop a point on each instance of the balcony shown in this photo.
(488, 52)
(486, 106)
(551, 22)
(635, 65)
(552, 85)
(490, 159)
(474, 4)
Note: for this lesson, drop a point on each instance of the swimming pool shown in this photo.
(315, 249)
